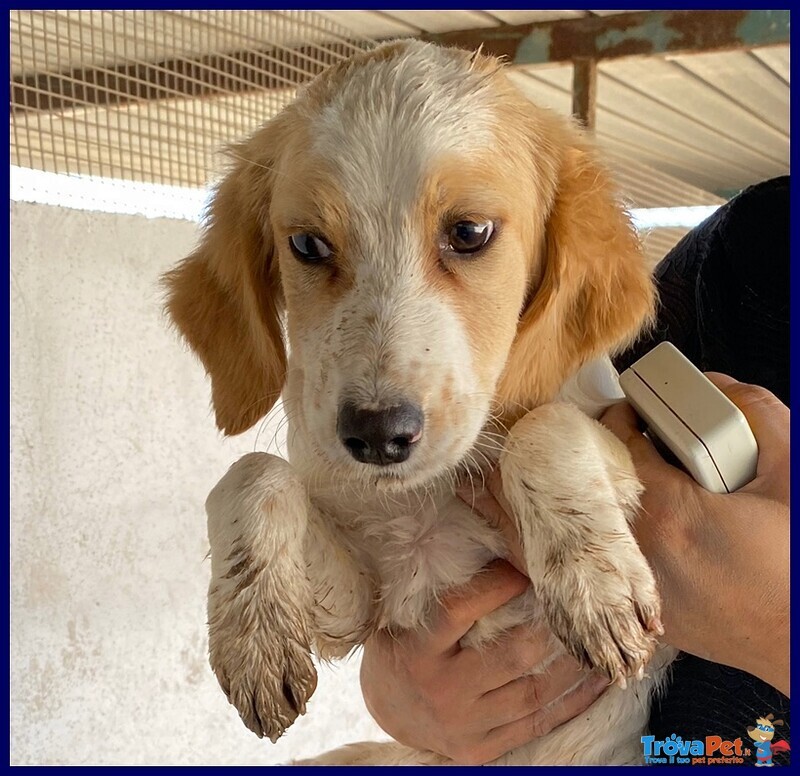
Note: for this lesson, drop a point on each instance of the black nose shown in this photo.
(380, 436)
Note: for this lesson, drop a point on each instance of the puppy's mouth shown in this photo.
(391, 480)
(393, 444)
(423, 470)
(388, 476)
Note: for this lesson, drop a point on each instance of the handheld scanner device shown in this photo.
(692, 418)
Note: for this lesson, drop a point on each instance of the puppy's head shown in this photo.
(444, 252)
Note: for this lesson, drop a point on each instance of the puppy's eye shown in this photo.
(309, 247)
(469, 236)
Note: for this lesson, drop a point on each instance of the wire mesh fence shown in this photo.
(134, 107)
(152, 96)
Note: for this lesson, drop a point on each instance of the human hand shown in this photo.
(427, 692)
(721, 560)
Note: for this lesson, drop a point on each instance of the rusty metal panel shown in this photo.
(630, 34)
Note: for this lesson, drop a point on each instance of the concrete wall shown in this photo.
(113, 452)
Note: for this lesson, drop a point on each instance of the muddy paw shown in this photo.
(261, 656)
(607, 614)
(269, 687)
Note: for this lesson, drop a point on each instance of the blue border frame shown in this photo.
(795, 279)
(7, 411)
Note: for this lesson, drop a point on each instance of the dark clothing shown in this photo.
(724, 291)
(724, 303)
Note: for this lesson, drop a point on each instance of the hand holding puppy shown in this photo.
(427, 692)
(721, 560)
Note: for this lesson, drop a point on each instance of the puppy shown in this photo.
(419, 260)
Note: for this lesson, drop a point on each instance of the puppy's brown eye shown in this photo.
(309, 247)
(469, 236)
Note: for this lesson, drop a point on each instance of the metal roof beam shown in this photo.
(645, 33)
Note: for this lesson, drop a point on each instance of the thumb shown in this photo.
(766, 414)
(770, 421)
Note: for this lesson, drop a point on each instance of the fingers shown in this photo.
(491, 504)
(766, 414)
(527, 694)
(515, 734)
(461, 607)
(513, 655)
(769, 419)
(762, 408)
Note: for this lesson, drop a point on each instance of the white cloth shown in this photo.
(593, 388)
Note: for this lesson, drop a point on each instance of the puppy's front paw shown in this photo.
(605, 609)
(259, 648)
(260, 601)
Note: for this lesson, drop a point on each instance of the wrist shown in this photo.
(752, 577)
(770, 661)
(766, 649)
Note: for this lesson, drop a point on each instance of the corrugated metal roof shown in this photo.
(678, 129)
(718, 121)
(386, 24)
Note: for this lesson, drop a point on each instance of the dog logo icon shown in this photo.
(762, 735)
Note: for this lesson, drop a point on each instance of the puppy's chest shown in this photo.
(416, 549)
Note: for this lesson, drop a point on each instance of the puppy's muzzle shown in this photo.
(381, 437)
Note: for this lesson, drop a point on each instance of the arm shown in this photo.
(721, 560)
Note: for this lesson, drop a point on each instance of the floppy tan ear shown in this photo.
(225, 299)
(596, 292)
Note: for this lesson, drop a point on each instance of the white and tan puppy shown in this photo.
(419, 259)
